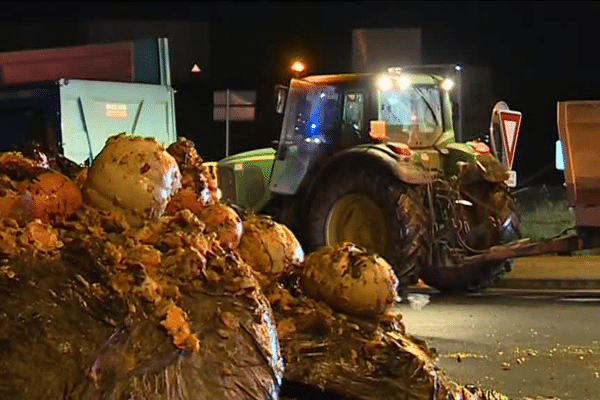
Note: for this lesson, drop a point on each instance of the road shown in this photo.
(546, 344)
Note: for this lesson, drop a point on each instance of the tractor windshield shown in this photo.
(413, 114)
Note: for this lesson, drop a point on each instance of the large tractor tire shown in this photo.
(471, 220)
(373, 210)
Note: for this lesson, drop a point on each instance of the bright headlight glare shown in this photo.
(384, 83)
(447, 84)
(403, 82)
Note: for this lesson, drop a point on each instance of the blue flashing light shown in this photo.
(315, 124)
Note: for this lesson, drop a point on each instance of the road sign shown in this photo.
(236, 105)
(233, 106)
(510, 123)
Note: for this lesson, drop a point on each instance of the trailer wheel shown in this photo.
(373, 210)
(482, 215)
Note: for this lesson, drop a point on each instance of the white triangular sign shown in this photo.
(196, 68)
(509, 128)
(510, 123)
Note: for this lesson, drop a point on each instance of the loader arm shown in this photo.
(526, 247)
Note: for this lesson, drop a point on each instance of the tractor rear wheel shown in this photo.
(481, 215)
(373, 210)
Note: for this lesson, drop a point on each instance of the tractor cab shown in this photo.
(329, 113)
(310, 130)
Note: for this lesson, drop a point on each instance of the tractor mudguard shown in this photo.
(470, 164)
(378, 155)
(244, 178)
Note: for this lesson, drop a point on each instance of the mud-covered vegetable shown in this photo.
(350, 280)
(133, 175)
(270, 248)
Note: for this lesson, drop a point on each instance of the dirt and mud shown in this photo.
(96, 304)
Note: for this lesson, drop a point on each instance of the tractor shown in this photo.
(373, 159)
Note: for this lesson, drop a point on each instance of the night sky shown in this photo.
(539, 52)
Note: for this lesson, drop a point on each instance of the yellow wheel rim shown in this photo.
(357, 219)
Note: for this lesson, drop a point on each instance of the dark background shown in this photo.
(539, 52)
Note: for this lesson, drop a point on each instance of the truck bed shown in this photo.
(140, 61)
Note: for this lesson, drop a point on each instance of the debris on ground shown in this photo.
(417, 300)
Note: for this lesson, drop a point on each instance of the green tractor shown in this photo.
(372, 159)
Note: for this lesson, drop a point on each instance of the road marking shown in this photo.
(581, 299)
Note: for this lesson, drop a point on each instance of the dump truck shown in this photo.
(72, 99)
(373, 159)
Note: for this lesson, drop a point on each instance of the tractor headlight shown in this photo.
(447, 84)
(384, 83)
(403, 82)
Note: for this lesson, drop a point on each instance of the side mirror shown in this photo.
(281, 95)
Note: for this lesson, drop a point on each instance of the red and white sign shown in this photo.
(510, 123)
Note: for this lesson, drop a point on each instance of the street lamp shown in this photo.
(298, 67)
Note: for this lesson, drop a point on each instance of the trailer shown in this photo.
(578, 128)
(72, 99)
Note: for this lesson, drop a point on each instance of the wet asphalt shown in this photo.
(521, 343)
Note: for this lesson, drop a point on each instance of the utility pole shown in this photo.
(227, 104)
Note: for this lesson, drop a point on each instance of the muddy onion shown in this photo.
(185, 198)
(133, 175)
(51, 194)
(270, 248)
(225, 222)
(350, 280)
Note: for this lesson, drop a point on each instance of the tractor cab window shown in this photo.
(311, 127)
(353, 118)
(353, 110)
(312, 116)
(413, 115)
(318, 115)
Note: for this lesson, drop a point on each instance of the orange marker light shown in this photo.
(401, 149)
(480, 147)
